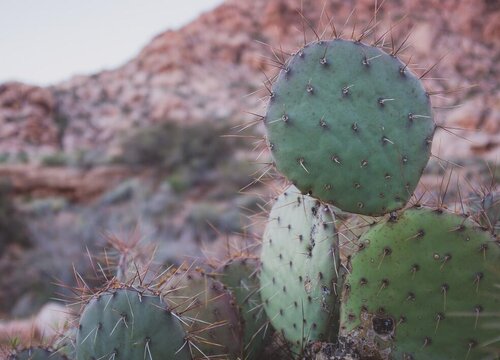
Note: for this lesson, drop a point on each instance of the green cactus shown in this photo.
(127, 323)
(486, 210)
(239, 275)
(422, 286)
(36, 353)
(351, 125)
(299, 270)
(210, 312)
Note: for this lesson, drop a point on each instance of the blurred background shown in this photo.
(115, 116)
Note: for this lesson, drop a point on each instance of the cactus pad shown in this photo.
(423, 287)
(298, 275)
(130, 324)
(210, 311)
(239, 275)
(351, 125)
(36, 353)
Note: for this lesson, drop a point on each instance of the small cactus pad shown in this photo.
(210, 312)
(239, 275)
(351, 125)
(36, 353)
(298, 275)
(130, 324)
(423, 287)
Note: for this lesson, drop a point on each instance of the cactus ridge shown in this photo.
(299, 275)
(239, 275)
(351, 125)
(126, 323)
(424, 286)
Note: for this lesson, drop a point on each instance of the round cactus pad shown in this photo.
(350, 125)
(128, 324)
(424, 286)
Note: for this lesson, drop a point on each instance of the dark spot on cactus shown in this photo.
(336, 159)
(355, 127)
(314, 210)
(366, 62)
(281, 312)
(274, 280)
(404, 159)
(393, 216)
(309, 89)
(314, 326)
(384, 283)
(309, 298)
(345, 91)
(364, 163)
(444, 288)
(320, 275)
(472, 343)
(270, 241)
(411, 117)
(294, 325)
(410, 296)
(301, 237)
(290, 263)
(387, 251)
(328, 187)
(280, 256)
(289, 227)
(285, 118)
(427, 341)
(383, 325)
(402, 319)
(483, 248)
(284, 288)
(363, 281)
(440, 316)
(387, 176)
(300, 278)
(323, 124)
(364, 309)
(266, 301)
(402, 71)
(295, 304)
(428, 140)
(361, 246)
(323, 61)
(381, 310)
(360, 205)
(357, 185)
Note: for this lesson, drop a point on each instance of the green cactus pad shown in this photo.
(298, 276)
(351, 125)
(36, 353)
(423, 287)
(239, 275)
(210, 311)
(130, 324)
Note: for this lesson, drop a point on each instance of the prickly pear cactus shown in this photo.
(423, 287)
(36, 353)
(351, 125)
(299, 270)
(130, 324)
(239, 275)
(210, 311)
(486, 209)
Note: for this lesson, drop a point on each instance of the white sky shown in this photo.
(46, 41)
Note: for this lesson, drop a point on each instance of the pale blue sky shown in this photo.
(46, 41)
